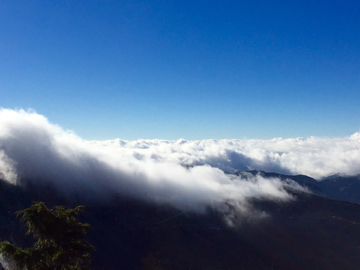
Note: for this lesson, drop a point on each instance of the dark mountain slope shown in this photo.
(339, 187)
(303, 180)
(310, 232)
(342, 187)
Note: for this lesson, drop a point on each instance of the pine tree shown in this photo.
(60, 240)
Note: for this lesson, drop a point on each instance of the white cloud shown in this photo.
(315, 157)
(187, 174)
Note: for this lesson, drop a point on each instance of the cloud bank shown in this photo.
(186, 174)
(314, 156)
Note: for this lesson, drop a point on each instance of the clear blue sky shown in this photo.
(184, 69)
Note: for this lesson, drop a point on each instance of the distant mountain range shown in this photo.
(319, 230)
(346, 188)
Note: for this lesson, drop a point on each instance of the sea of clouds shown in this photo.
(186, 174)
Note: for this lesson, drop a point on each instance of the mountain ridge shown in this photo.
(337, 186)
(309, 232)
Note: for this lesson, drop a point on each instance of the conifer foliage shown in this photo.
(60, 240)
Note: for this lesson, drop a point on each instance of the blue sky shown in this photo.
(184, 69)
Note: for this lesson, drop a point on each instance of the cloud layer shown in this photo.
(315, 157)
(186, 174)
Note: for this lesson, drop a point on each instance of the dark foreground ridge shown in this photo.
(311, 232)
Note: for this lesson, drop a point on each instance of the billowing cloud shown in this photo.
(186, 174)
(315, 157)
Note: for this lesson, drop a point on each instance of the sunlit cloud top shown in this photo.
(313, 156)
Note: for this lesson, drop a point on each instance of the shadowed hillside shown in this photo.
(310, 232)
(339, 187)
